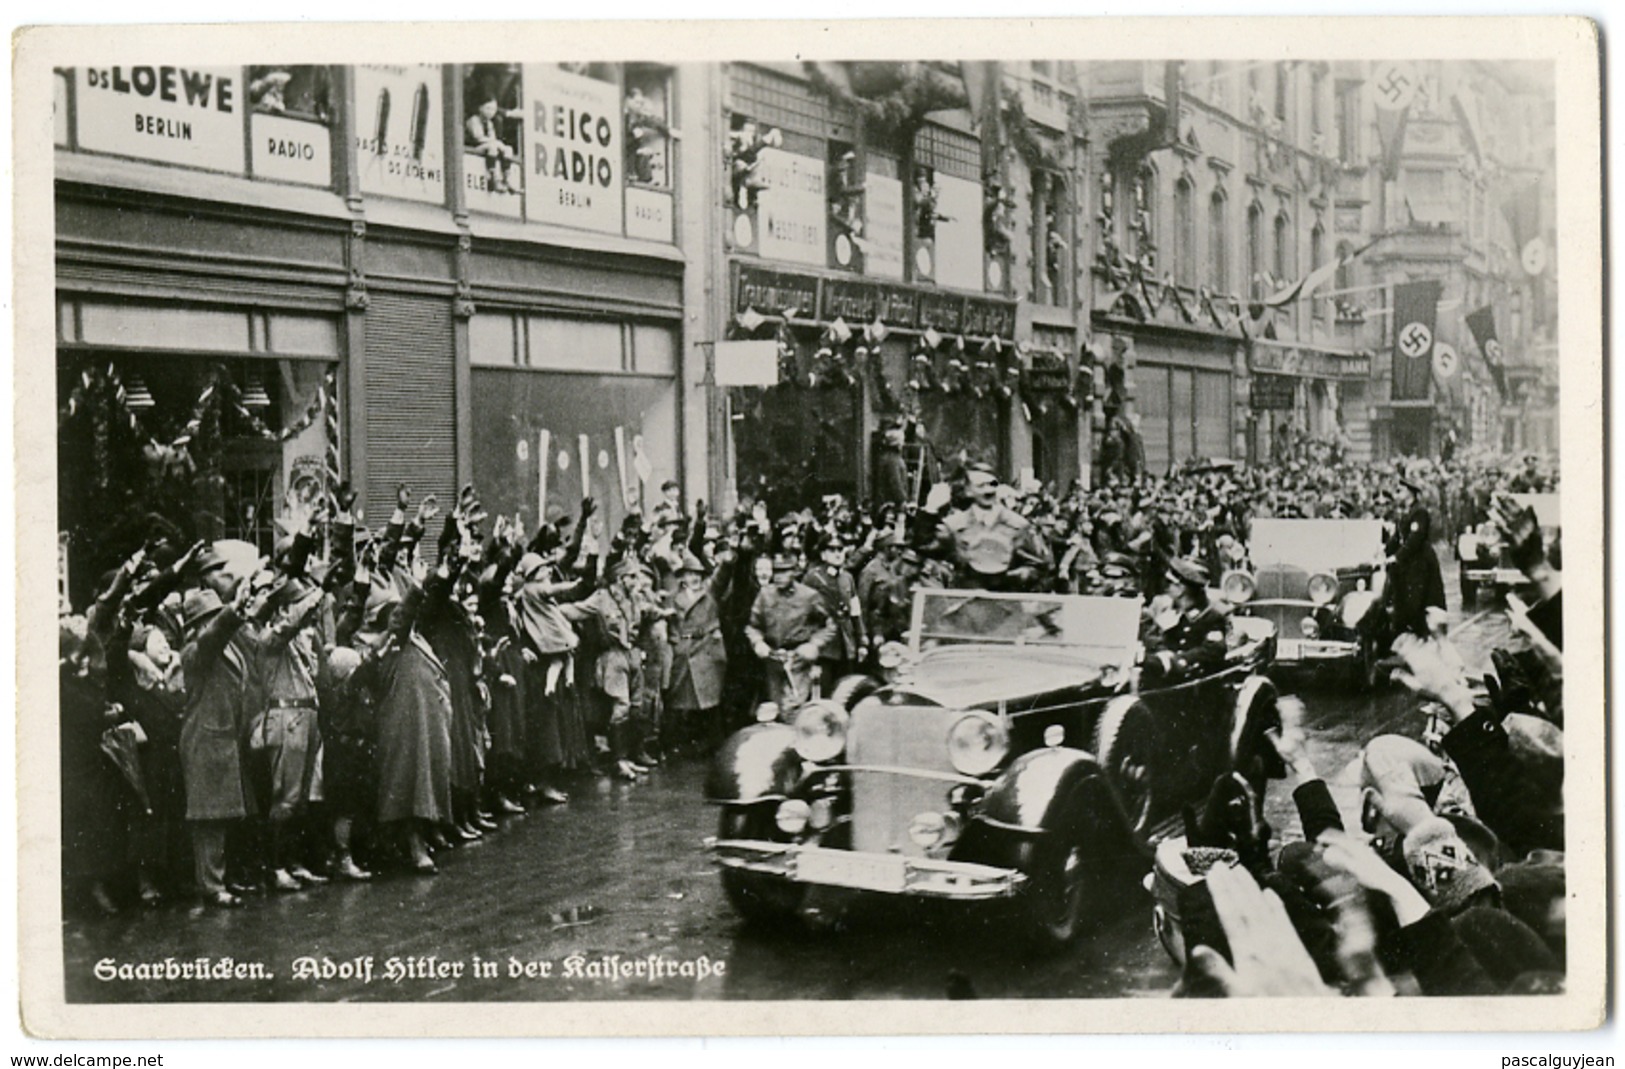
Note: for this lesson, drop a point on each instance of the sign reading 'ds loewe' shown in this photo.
(573, 175)
(191, 116)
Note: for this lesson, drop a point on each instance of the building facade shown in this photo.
(281, 277)
(1218, 187)
(907, 236)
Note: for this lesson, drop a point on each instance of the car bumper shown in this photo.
(1498, 576)
(1313, 650)
(882, 873)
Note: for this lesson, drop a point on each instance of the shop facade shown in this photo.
(894, 263)
(275, 279)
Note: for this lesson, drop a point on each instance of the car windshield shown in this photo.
(1099, 630)
(1315, 545)
(1548, 508)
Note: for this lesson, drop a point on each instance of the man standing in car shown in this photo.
(994, 547)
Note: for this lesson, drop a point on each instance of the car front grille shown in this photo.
(887, 743)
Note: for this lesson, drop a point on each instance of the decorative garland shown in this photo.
(919, 90)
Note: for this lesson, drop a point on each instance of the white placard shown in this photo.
(791, 209)
(399, 133)
(584, 450)
(959, 237)
(291, 150)
(190, 116)
(883, 227)
(573, 167)
(747, 363)
(648, 214)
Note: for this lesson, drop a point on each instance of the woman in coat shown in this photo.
(414, 724)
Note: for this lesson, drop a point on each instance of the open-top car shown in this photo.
(1013, 756)
(1486, 559)
(1319, 582)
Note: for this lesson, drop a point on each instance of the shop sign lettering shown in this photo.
(291, 150)
(574, 167)
(181, 115)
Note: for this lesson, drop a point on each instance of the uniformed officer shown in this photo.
(994, 546)
(789, 630)
(1194, 643)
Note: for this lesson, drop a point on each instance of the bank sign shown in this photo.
(190, 116)
(573, 170)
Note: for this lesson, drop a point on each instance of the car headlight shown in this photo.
(1238, 587)
(1309, 627)
(1322, 588)
(976, 744)
(821, 731)
(792, 815)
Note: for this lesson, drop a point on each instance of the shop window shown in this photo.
(295, 92)
(493, 340)
(1185, 233)
(1218, 242)
(493, 129)
(654, 349)
(575, 344)
(648, 125)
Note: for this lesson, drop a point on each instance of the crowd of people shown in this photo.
(363, 700)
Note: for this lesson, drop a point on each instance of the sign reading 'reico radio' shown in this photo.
(190, 116)
(573, 173)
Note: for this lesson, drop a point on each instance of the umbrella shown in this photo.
(122, 744)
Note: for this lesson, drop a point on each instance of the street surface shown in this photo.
(612, 897)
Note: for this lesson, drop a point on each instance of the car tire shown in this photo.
(768, 902)
(1063, 874)
(1125, 745)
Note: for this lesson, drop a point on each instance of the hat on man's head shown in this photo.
(208, 560)
(1188, 573)
(199, 605)
(1443, 867)
(981, 473)
(690, 563)
(1538, 746)
(785, 562)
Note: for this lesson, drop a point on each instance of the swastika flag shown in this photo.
(1416, 306)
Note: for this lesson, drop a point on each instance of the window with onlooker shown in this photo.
(1255, 250)
(493, 129)
(648, 125)
(1184, 233)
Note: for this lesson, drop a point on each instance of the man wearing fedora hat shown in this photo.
(218, 664)
(699, 658)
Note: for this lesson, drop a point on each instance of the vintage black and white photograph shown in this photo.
(671, 527)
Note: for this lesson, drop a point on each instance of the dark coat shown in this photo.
(699, 661)
(414, 717)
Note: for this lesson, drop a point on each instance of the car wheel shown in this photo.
(1125, 746)
(1059, 876)
(769, 902)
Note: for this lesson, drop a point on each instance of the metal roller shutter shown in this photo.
(411, 407)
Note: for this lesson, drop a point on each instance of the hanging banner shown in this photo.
(959, 237)
(573, 175)
(191, 116)
(399, 133)
(544, 467)
(791, 209)
(883, 227)
(1415, 310)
